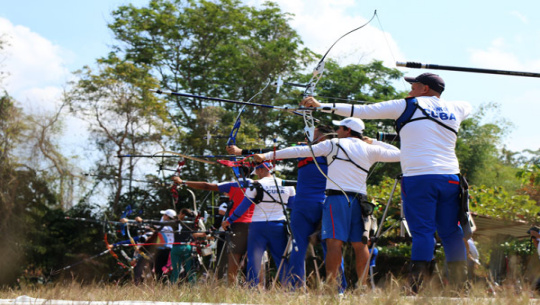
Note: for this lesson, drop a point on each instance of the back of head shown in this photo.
(433, 81)
(264, 167)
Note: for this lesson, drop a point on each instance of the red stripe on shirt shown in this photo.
(305, 162)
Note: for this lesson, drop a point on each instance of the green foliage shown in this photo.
(213, 48)
(529, 176)
(353, 83)
(124, 116)
(11, 223)
(397, 250)
(522, 247)
(478, 152)
(499, 203)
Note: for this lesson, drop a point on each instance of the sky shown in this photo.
(48, 40)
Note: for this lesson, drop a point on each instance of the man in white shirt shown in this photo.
(349, 159)
(428, 128)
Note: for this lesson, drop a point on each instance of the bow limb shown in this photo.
(232, 138)
(319, 69)
(106, 224)
(309, 129)
(236, 127)
(113, 254)
(134, 244)
(174, 186)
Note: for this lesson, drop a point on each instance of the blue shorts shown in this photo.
(341, 220)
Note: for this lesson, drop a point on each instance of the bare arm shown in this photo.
(199, 185)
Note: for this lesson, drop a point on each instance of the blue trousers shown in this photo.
(263, 235)
(304, 222)
(431, 204)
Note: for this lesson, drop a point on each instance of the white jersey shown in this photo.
(168, 234)
(426, 147)
(270, 209)
(348, 176)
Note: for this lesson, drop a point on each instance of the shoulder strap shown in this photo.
(259, 192)
(334, 156)
(350, 160)
(407, 114)
(410, 108)
(331, 157)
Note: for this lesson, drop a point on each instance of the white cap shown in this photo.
(223, 207)
(355, 124)
(169, 212)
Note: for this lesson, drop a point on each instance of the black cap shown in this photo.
(433, 81)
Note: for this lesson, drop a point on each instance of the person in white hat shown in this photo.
(349, 159)
(268, 225)
(431, 191)
(306, 214)
(162, 255)
(170, 213)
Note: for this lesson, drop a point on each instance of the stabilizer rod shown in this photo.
(417, 65)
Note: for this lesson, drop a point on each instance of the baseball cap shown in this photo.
(264, 164)
(169, 212)
(355, 124)
(433, 81)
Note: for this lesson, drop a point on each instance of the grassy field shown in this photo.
(220, 293)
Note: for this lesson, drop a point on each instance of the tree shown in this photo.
(11, 129)
(123, 115)
(213, 48)
(529, 176)
(478, 152)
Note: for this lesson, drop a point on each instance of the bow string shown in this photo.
(309, 129)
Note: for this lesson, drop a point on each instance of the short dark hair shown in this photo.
(355, 134)
(245, 171)
(327, 130)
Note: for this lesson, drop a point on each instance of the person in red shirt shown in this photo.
(237, 244)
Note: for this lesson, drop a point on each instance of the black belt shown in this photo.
(337, 192)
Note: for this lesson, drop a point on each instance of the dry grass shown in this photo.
(219, 293)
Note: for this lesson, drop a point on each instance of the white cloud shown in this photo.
(320, 23)
(503, 56)
(37, 75)
(519, 16)
(35, 65)
(495, 57)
